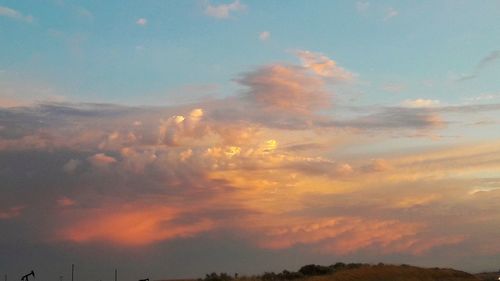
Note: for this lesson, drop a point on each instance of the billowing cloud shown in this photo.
(276, 167)
(223, 11)
(286, 88)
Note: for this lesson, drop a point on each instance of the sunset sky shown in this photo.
(173, 138)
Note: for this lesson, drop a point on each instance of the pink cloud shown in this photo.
(11, 212)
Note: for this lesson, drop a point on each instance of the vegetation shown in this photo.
(354, 272)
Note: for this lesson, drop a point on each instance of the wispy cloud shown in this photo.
(488, 60)
(394, 88)
(362, 6)
(223, 11)
(11, 212)
(391, 13)
(14, 14)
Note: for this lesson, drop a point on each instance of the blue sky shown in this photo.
(95, 51)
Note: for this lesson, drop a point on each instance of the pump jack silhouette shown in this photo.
(26, 277)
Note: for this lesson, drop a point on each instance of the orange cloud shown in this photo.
(65, 202)
(324, 66)
(101, 160)
(133, 226)
(339, 235)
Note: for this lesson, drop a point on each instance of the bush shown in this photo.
(314, 269)
(217, 277)
(289, 275)
(269, 276)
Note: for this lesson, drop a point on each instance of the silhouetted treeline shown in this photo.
(304, 271)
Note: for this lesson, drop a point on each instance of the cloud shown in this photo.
(377, 165)
(101, 160)
(488, 60)
(13, 14)
(264, 35)
(395, 88)
(11, 212)
(420, 103)
(415, 117)
(84, 13)
(223, 11)
(362, 6)
(286, 88)
(141, 21)
(177, 128)
(71, 165)
(275, 167)
(390, 13)
(133, 226)
(324, 66)
(65, 202)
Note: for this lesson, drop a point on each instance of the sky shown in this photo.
(171, 139)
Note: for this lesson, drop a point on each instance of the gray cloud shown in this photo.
(490, 59)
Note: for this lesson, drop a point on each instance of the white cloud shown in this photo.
(13, 14)
(223, 11)
(142, 21)
(420, 103)
(391, 12)
(264, 35)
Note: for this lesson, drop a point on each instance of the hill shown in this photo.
(489, 276)
(396, 273)
(357, 272)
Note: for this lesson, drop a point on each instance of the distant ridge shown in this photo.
(397, 273)
(359, 272)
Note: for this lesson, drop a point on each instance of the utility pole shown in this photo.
(5, 277)
(116, 275)
(72, 271)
